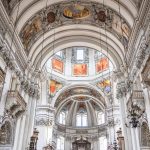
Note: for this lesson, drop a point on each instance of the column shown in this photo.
(27, 122)
(68, 67)
(68, 143)
(31, 120)
(44, 121)
(22, 123)
(121, 95)
(95, 142)
(91, 62)
(17, 133)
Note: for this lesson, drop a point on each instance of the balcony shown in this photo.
(15, 103)
(137, 95)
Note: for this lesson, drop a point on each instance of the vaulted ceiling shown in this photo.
(45, 26)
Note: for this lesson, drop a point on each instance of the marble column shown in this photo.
(17, 133)
(22, 124)
(27, 122)
(31, 120)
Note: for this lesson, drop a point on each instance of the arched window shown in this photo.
(103, 143)
(100, 117)
(62, 117)
(81, 118)
(60, 143)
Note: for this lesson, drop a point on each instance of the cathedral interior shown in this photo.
(74, 74)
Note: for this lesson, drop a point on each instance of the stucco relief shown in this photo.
(43, 122)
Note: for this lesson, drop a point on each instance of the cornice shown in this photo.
(8, 31)
(141, 22)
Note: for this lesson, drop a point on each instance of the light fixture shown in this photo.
(135, 112)
(33, 140)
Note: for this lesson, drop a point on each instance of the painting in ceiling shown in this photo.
(30, 30)
(80, 70)
(76, 11)
(54, 87)
(79, 91)
(81, 13)
(104, 85)
(102, 65)
(58, 65)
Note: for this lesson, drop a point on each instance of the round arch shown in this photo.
(28, 8)
(76, 35)
(85, 85)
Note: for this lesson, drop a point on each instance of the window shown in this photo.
(62, 118)
(80, 54)
(60, 54)
(81, 119)
(100, 118)
(60, 143)
(103, 143)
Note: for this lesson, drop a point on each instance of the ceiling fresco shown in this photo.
(67, 13)
(54, 87)
(104, 85)
(80, 94)
(76, 11)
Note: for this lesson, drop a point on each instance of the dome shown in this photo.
(80, 107)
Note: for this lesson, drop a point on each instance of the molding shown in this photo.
(15, 104)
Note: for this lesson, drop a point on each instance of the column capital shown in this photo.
(123, 87)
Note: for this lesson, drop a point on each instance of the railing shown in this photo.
(138, 95)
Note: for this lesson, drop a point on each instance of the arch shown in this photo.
(29, 7)
(76, 35)
(81, 85)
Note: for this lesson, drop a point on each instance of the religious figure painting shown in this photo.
(31, 29)
(58, 65)
(80, 70)
(82, 13)
(54, 87)
(80, 91)
(120, 27)
(105, 85)
(76, 11)
(102, 64)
